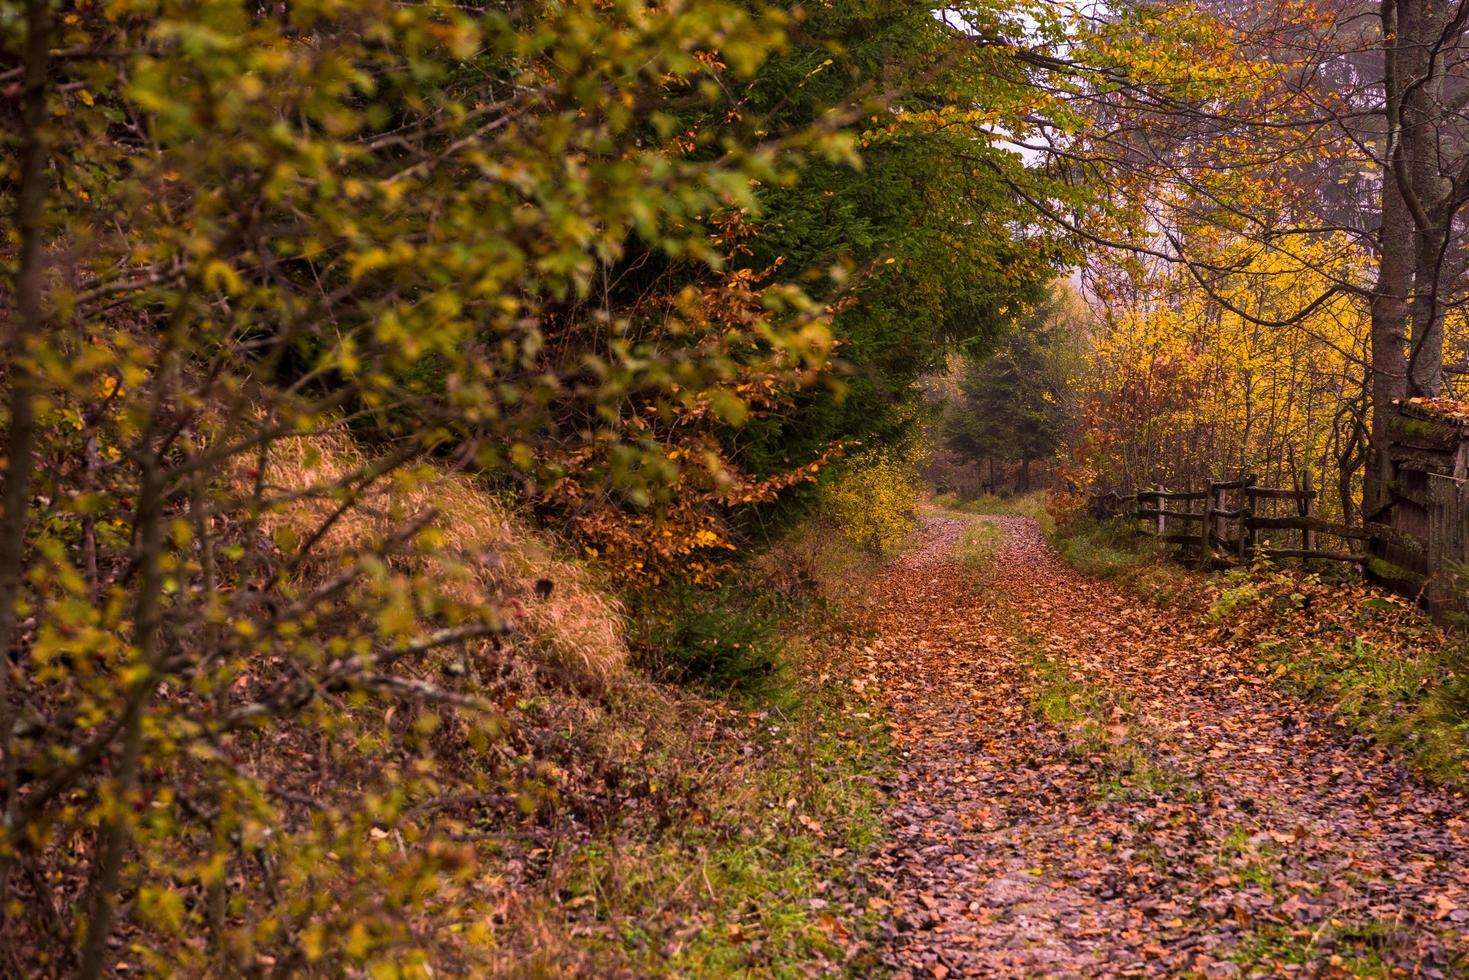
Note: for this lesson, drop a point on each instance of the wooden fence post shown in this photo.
(1247, 511)
(1306, 507)
(1206, 536)
(1162, 517)
(1438, 509)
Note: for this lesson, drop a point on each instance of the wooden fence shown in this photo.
(1421, 542)
(1234, 521)
(1416, 542)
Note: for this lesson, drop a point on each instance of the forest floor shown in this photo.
(1089, 785)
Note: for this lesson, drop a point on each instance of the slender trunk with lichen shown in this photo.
(114, 834)
(28, 323)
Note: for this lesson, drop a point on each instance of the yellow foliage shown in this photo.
(1178, 388)
(872, 500)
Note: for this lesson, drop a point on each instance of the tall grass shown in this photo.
(485, 554)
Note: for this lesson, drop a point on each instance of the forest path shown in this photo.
(1089, 787)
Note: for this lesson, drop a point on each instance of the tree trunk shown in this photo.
(1396, 240)
(1425, 358)
(1419, 80)
(1388, 339)
(29, 323)
(114, 835)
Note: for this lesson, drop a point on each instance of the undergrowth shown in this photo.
(753, 767)
(1116, 550)
(1372, 658)
(748, 873)
(725, 639)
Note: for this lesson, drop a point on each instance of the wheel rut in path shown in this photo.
(1088, 787)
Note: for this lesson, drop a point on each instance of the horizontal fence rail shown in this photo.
(1222, 524)
(1414, 540)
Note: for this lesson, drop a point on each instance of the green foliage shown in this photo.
(926, 228)
(1118, 550)
(1015, 404)
(726, 638)
(1231, 600)
(251, 232)
(291, 284)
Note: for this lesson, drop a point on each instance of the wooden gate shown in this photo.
(1448, 543)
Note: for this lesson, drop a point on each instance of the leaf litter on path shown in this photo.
(1087, 787)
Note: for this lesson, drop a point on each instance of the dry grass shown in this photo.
(625, 827)
(481, 556)
(817, 559)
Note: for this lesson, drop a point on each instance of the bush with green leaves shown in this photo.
(241, 230)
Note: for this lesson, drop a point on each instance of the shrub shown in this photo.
(724, 638)
(251, 685)
(871, 501)
(1232, 600)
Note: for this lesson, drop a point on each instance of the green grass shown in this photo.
(978, 544)
(1358, 949)
(1371, 659)
(1115, 549)
(1032, 505)
(1108, 549)
(740, 890)
(1413, 704)
(1081, 710)
(766, 812)
(1252, 862)
(1099, 726)
(1354, 948)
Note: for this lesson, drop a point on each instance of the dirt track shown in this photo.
(1190, 820)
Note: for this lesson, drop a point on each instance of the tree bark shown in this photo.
(1417, 104)
(114, 835)
(1400, 20)
(1388, 341)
